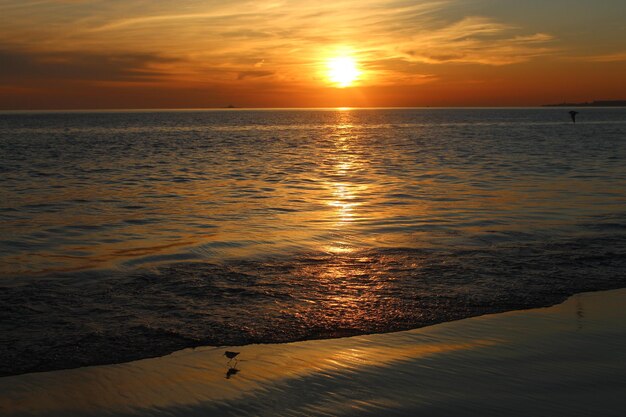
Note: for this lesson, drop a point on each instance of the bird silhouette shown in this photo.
(573, 115)
(231, 355)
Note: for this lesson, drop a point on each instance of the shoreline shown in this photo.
(561, 360)
(159, 350)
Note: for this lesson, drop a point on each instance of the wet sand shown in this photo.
(566, 360)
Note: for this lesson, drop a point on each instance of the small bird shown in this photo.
(231, 355)
(573, 115)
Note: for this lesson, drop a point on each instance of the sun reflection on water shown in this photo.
(350, 284)
(345, 162)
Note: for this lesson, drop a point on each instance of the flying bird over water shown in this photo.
(573, 115)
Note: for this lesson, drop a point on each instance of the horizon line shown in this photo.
(323, 108)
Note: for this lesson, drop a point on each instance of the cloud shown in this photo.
(20, 64)
(241, 34)
(478, 40)
(254, 74)
(396, 40)
(614, 57)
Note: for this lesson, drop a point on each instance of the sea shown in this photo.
(133, 234)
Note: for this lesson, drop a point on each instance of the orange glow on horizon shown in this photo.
(369, 53)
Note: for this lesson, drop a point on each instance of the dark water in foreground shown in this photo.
(126, 235)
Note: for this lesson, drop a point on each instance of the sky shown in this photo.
(99, 54)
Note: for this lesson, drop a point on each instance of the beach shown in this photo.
(565, 360)
(347, 208)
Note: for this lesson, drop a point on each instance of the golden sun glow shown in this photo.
(343, 71)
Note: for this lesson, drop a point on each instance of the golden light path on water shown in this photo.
(346, 295)
(344, 192)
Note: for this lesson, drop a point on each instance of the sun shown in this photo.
(343, 71)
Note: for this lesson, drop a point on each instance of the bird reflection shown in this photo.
(231, 372)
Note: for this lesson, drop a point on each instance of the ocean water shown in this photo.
(132, 234)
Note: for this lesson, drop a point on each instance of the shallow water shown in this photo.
(567, 360)
(133, 234)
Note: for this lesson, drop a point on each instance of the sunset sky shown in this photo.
(205, 53)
